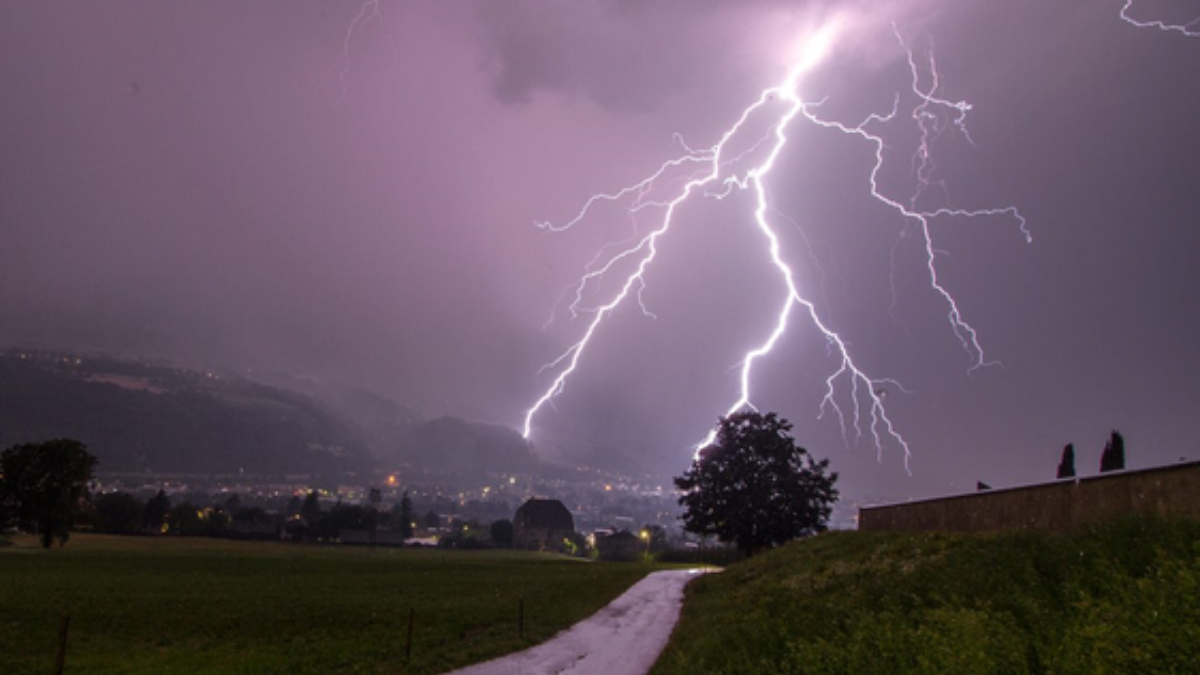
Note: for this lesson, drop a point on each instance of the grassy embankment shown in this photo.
(168, 606)
(1124, 598)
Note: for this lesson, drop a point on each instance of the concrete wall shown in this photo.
(1062, 505)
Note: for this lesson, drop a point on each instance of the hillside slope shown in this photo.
(135, 417)
(1117, 599)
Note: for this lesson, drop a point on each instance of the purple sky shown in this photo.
(238, 184)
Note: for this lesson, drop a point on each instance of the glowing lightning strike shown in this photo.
(369, 11)
(864, 392)
(1184, 29)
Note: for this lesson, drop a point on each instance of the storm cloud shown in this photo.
(256, 186)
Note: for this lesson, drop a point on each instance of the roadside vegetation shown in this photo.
(1122, 598)
(180, 605)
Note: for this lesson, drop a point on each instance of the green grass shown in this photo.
(1124, 598)
(166, 605)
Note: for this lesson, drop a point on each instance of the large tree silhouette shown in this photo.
(44, 486)
(755, 487)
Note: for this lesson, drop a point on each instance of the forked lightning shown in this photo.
(715, 172)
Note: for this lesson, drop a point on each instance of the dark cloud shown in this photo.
(625, 56)
(236, 184)
(599, 51)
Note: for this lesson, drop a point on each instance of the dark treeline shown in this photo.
(304, 519)
(123, 513)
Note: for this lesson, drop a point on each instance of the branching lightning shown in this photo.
(1187, 29)
(716, 172)
(368, 12)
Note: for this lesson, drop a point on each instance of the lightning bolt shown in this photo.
(1183, 29)
(710, 172)
(369, 11)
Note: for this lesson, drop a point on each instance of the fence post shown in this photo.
(61, 661)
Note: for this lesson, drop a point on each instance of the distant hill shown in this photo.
(450, 446)
(136, 416)
(384, 424)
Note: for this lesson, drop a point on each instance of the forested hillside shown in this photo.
(136, 416)
(450, 446)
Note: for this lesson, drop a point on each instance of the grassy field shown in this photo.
(167, 605)
(1121, 599)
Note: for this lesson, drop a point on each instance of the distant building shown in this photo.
(623, 546)
(542, 524)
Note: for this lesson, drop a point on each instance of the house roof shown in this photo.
(549, 513)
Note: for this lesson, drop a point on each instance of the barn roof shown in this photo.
(549, 513)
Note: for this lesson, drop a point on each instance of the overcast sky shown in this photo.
(293, 185)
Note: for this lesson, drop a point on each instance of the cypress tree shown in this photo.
(406, 516)
(1066, 465)
(1113, 457)
(310, 510)
(155, 513)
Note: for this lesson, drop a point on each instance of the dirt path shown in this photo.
(624, 638)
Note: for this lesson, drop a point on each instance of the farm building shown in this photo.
(542, 524)
(623, 546)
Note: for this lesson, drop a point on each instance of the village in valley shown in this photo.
(524, 512)
(311, 476)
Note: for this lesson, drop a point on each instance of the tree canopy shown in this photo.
(154, 516)
(118, 513)
(406, 516)
(754, 486)
(310, 510)
(502, 532)
(45, 486)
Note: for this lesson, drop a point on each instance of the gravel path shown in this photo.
(624, 638)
